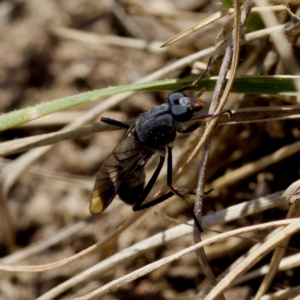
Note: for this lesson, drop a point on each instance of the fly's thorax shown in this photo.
(155, 128)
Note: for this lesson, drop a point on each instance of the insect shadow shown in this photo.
(123, 171)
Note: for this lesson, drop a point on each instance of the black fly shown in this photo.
(123, 171)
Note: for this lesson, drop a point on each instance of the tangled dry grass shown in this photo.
(51, 248)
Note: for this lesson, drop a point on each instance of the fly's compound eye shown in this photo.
(181, 106)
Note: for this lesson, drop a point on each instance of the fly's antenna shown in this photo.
(193, 84)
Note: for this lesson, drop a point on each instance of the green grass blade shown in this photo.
(273, 85)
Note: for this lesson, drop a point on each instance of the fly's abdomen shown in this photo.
(131, 188)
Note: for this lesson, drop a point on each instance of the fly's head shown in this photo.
(182, 107)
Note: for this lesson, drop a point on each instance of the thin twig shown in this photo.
(214, 104)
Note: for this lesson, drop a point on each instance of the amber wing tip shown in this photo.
(96, 206)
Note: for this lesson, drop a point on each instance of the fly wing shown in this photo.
(118, 166)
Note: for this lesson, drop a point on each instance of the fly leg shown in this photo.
(174, 190)
(138, 204)
(189, 129)
(196, 125)
(227, 112)
(113, 122)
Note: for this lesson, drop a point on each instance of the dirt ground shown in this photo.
(40, 61)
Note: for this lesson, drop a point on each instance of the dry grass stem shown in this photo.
(97, 40)
(292, 226)
(256, 166)
(212, 18)
(253, 258)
